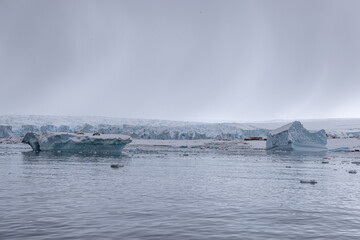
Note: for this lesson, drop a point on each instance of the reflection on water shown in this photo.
(295, 154)
(253, 195)
(29, 157)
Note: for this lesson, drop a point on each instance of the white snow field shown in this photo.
(294, 136)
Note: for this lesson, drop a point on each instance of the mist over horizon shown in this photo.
(203, 61)
(99, 119)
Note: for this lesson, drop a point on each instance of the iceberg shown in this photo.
(77, 142)
(294, 136)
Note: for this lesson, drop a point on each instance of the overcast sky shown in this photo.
(181, 60)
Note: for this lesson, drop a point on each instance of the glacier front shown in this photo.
(77, 143)
(5, 131)
(294, 136)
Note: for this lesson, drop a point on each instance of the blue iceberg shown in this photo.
(294, 136)
(77, 142)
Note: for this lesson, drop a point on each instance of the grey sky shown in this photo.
(181, 60)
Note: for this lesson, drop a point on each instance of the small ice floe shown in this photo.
(325, 162)
(356, 162)
(288, 166)
(308, 181)
(185, 155)
(116, 165)
(340, 149)
(183, 147)
(352, 171)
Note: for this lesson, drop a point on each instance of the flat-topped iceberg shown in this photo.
(77, 142)
(294, 136)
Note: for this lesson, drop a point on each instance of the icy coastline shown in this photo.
(12, 126)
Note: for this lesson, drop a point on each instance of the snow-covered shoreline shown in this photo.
(204, 146)
(224, 146)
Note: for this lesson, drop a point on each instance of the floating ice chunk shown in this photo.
(72, 142)
(294, 136)
(116, 165)
(308, 181)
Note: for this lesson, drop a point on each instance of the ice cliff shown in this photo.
(294, 136)
(162, 129)
(79, 143)
(5, 131)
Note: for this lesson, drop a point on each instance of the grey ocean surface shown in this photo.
(250, 195)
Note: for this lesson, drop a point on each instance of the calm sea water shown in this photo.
(250, 195)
